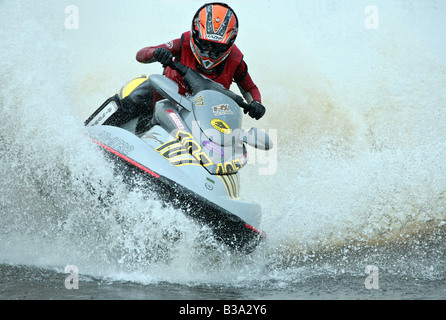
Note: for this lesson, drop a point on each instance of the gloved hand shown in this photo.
(256, 110)
(163, 56)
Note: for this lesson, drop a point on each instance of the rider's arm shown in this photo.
(246, 85)
(145, 55)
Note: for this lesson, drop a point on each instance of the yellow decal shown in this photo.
(193, 148)
(221, 126)
(232, 185)
(175, 153)
(186, 151)
(199, 101)
(132, 85)
(228, 167)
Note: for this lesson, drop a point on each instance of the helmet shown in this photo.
(214, 29)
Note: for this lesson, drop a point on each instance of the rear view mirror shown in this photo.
(257, 138)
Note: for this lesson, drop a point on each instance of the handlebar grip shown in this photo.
(245, 106)
(183, 71)
(179, 67)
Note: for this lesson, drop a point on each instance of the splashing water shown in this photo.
(359, 115)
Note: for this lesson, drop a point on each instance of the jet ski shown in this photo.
(189, 153)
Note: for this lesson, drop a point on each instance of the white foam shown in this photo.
(359, 116)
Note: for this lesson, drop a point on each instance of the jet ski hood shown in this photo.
(219, 117)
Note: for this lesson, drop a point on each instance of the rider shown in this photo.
(208, 48)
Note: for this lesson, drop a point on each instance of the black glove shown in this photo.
(163, 56)
(256, 110)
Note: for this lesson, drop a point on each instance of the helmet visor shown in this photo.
(211, 49)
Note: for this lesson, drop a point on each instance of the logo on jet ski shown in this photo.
(221, 126)
(175, 118)
(199, 101)
(213, 147)
(221, 110)
(114, 143)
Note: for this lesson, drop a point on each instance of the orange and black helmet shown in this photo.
(214, 29)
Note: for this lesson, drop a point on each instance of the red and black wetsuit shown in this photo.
(232, 69)
(141, 101)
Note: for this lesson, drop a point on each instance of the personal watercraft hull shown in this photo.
(231, 228)
(189, 152)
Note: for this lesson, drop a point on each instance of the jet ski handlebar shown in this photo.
(196, 83)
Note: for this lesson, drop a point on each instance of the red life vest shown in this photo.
(225, 78)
